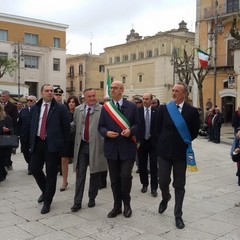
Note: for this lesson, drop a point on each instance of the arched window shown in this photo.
(124, 79)
(140, 78)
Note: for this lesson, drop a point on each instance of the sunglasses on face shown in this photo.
(58, 94)
(29, 100)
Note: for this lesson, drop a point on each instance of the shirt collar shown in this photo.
(181, 105)
(120, 102)
(145, 108)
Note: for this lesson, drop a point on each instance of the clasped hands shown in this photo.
(125, 133)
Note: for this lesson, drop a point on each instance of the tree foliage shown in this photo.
(7, 66)
(185, 69)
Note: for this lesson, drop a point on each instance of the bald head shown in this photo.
(117, 89)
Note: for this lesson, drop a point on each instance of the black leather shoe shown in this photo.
(154, 193)
(127, 211)
(45, 209)
(40, 199)
(144, 189)
(91, 203)
(179, 223)
(114, 212)
(163, 205)
(76, 207)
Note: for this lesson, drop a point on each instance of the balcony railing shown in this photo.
(70, 89)
(223, 9)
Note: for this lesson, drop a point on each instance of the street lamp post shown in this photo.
(212, 36)
(19, 56)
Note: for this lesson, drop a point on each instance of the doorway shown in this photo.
(228, 108)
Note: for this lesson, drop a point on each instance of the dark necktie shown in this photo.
(118, 106)
(147, 125)
(86, 129)
(44, 122)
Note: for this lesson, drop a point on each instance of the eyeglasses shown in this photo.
(56, 94)
(114, 88)
(29, 100)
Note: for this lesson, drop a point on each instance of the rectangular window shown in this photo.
(125, 58)
(141, 55)
(31, 62)
(80, 85)
(31, 39)
(101, 84)
(56, 42)
(133, 56)
(56, 64)
(71, 71)
(3, 55)
(3, 35)
(80, 69)
(232, 6)
(117, 59)
(149, 53)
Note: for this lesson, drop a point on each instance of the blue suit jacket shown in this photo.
(58, 126)
(170, 144)
(124, 146)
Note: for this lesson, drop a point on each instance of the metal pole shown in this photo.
(18, 57)
(215, 54)
(215, 68)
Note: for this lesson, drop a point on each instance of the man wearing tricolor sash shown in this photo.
(118, 124)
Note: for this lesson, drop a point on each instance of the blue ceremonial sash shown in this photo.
(182, 128)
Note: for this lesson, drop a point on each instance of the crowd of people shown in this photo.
(213, 121)
(106, 137)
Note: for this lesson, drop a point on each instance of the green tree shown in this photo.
(7, 66)
(185, 69)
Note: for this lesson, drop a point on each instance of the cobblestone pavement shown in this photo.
(209, 211)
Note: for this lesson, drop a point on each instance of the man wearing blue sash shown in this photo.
(178, 126)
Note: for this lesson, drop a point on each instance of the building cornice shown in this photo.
(32, 22)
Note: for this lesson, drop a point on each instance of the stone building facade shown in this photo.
(143, 64)
(39, 47)
(84, 71)
(211, 15)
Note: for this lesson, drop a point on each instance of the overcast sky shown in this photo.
(105, 23)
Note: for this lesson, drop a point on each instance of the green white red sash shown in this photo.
(118, 117)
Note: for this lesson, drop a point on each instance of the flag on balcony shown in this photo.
(203, 58)
(108, 86)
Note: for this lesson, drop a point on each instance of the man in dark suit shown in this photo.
(50, 128)
(23, 129)
(11, 110)
(171, 150)
(217, 121)
(147, 138)
(118, 124)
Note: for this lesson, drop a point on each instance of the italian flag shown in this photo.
(108, 86)
(203, 58)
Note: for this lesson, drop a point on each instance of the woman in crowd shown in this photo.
(6, 127)
(72, 102)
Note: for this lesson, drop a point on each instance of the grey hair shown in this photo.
(185, 86)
